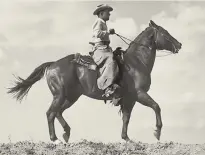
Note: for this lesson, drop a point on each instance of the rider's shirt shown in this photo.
(100, 31)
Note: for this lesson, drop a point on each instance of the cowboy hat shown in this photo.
(102, 7)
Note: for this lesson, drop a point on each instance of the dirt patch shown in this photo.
(92, 148)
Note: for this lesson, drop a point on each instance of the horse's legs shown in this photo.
(62, 121)
(64, 86)
(51, 114)
(51, 118)
(65, 126)
(56, 87)
(145, 99)
(126, 111)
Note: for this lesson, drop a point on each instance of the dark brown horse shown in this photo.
(68, 81)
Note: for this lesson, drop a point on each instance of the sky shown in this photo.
(33, 32)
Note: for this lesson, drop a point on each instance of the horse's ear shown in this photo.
(152, 23)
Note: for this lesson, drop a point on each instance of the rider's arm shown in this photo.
(100, 30)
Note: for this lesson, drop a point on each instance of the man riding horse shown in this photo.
(70, 77)
(103, 55)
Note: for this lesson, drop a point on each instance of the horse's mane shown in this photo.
(141, 35)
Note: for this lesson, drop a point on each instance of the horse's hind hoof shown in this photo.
(157, 134)
(66, 137)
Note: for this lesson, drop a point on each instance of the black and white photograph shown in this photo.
(102, 77)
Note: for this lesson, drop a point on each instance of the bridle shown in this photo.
(150, 48)
(156, 34)
(132, 41)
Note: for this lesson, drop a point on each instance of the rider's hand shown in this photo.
(112, 31)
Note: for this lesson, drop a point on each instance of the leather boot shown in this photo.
(117, 95)
(115, 91)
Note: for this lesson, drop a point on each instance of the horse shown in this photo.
(67, 80)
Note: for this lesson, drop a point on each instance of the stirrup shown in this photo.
(108, 92)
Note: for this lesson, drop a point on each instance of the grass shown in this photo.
(85, 147)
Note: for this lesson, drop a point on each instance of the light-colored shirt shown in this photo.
(100, 31)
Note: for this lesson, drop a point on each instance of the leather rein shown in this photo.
(132, 41)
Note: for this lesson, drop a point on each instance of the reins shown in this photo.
(123, 39)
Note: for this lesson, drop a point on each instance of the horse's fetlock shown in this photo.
(66, 128)
(159, 126)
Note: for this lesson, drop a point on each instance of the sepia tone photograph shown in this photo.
(102, 77)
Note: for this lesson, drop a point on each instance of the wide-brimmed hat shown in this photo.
(102, 7)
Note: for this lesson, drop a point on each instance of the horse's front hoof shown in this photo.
(66, 137)
(157, 134)
(126, 138)
(56, 142)
(129, 141)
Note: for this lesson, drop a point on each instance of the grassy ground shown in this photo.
(90, 148)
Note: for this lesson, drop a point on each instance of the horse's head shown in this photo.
(163, 40)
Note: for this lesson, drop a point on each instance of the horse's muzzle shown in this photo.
(177, 48)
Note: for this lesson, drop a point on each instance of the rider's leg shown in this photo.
(109, 71)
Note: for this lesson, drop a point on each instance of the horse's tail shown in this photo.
(21, 86)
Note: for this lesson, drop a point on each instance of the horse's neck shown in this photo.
(146, 54)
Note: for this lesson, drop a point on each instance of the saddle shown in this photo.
(87, 60)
